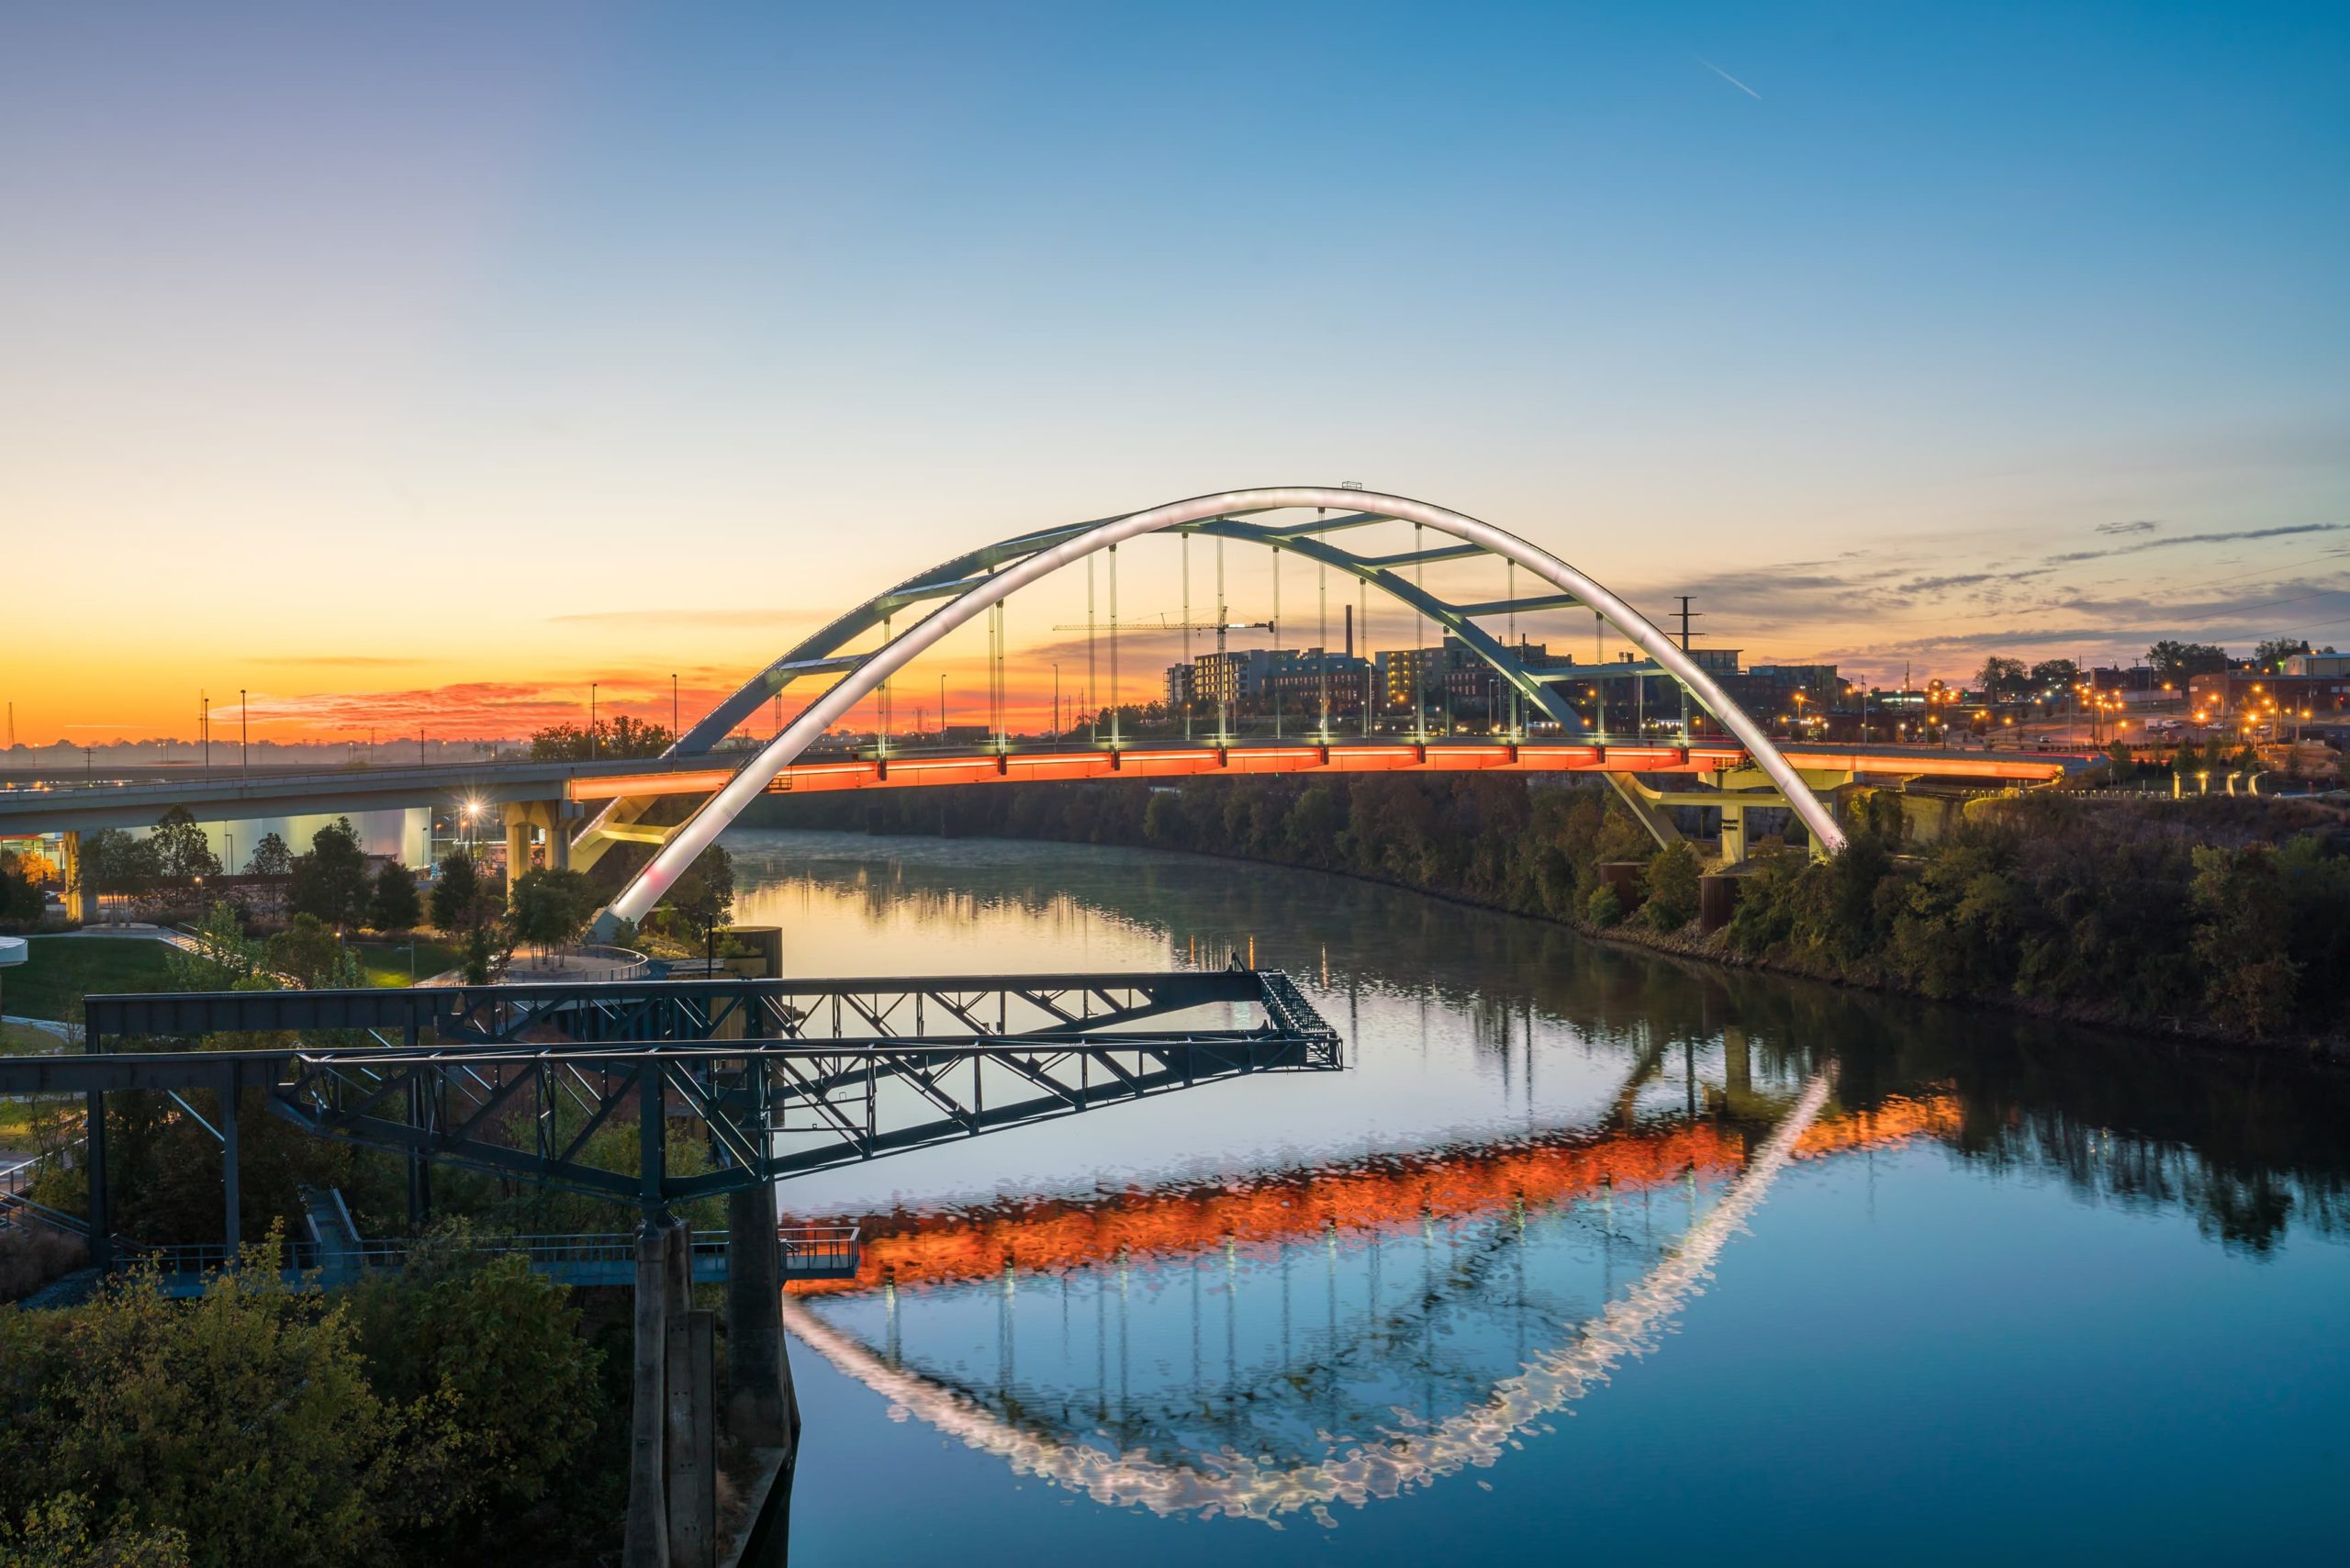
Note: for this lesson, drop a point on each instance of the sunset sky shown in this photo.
(421, 365)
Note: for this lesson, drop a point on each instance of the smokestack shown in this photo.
(1350, 631)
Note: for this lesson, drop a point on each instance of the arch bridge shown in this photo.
(859, 653)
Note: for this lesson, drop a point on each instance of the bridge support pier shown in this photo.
(81, 903)
(1733, 835)
(646, 1542)
(761, 1406)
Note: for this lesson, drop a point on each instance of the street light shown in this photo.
(592, 720)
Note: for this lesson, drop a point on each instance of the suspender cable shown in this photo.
(1092, 693)
(1223, 681)
(881, 740)
(1114, 647)
(1369, 664)
(1191, 671)
(1272, 660)
(1322, 636)
(1420, 651)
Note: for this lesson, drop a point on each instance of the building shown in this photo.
(1254, 679)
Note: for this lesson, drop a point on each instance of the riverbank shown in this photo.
(2227, 923)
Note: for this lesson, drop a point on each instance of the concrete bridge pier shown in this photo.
(555, 820)
(81, 902)
(673, 1436)
(761, 1406)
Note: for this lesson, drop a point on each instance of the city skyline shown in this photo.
(393, 382)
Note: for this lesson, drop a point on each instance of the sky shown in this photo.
(421, 366)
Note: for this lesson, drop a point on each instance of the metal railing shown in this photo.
(608, 1257)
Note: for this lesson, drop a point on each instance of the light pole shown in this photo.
(1056, 704)
(244, 738)
(672, 709)
(592, 720)
(942, 710)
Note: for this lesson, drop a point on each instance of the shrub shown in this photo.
(1605, 909)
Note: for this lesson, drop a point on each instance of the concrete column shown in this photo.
(558, 836)
(81, 904)
(760, 1406)
(518, 847)
(647, 1543)
(1733, 835)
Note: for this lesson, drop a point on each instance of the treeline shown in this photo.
(452, 1411)
(2219, 917)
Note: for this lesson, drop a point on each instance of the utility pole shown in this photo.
(204, 727)
(672, 709)
(592, 720)
(1685, 618)
(244, 738)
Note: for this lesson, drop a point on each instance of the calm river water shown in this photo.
(1588, 1254)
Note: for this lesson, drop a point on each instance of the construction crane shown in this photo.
(1221, 628)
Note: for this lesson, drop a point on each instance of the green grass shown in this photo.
(386, 963)
(23, 1039)
(59, 970)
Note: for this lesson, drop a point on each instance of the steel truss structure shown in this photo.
(773, 1078)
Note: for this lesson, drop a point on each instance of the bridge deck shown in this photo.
(1014, 766)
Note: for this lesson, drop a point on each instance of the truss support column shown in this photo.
(762, 1408)
(419, 1170)
(647, 1543)
(101, 1211)
(232, 1230)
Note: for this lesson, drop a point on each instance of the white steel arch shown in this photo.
(696, 835)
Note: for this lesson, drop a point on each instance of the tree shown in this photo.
(244, 1420)
(1672, 888)
(271, 857)
(2054, 674)
(331, 882)
(704, 896)
(2271, 654)
(223, 958)
(394, 904)
(21, 902)
(183, 853)
(2175, 661)
(617, 736)
(2001, 678)
(310, 953)
(551, 907)
(463, 901)
(114, 862)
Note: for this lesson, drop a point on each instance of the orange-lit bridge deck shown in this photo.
(1015, 766)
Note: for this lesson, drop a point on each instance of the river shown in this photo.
(1588, 1253)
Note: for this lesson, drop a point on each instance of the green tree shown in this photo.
(2175, 661)
(1672, 888)
(271, 857)
(475, 1334)
(331, 882)
(244, 1420)
(463, 901)
(551, 907)
(617, 736)
(393, 904)
(310, 953)
(112, 861)
(704, 896)
(2054, 674)
(2243, 938)
(57, 1532)
(2002, 678)
(1604, 908)
(2271, 654)
(182, 851)
(223, 956)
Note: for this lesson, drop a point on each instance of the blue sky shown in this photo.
(1857, 321)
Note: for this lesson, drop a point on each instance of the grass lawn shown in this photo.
(23, 1039)
(386, 963)
(59, 970)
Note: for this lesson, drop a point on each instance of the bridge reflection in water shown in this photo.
(1312, 1337)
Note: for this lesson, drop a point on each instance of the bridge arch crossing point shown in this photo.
(971, 583)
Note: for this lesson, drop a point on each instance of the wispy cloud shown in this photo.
(1729, 78)
(337, 661)
(692, 618)
(2136, 526)
(2233, 537)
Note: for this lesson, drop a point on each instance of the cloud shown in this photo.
(2229, 538)
(2142, 525)
(337, 661)
(693, 618)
